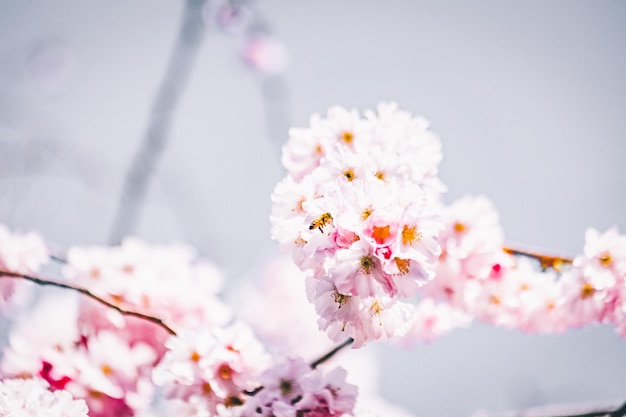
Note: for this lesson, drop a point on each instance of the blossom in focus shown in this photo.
(358, 213)
(31, 397)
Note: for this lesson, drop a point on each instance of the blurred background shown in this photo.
(529, 99)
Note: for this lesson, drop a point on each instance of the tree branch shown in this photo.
(44, 282)
(546, 261)
(144, 163)
(330, 354)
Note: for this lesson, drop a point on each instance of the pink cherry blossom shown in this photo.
(31, 397)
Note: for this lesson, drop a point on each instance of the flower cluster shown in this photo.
(31, 397)
(292, 388)
(210, 369)
(95, 352)
(360, 214)
(161, 280)
(477, 277)
(358, 210)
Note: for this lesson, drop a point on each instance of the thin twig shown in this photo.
(42, 281)
(313, 364)
(144, 163)
(58, 259)
(330, 354)
(546, 261)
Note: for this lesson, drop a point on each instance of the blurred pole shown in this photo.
(144, 163)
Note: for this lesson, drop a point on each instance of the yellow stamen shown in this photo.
(347, 137)
(225, 372)
(106, 369)
(380, 175)
(605, 259)
(195, 357)
(459, 227)
(366, 213)
(375, 309)
(410, 235)
(587, 291)
(403, 265)
(380, 234)
(349, 174)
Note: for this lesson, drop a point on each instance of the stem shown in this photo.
(547, 261)
(313, 365)
(330, 354)
(145, 160)
(42, 281)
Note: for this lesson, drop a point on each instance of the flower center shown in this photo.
(347, 137)
(367, 264)
(380, 234)
(605, 259)
(340, 299)
(587, 291)
(410, 235)
(403, 265)
(225, 372)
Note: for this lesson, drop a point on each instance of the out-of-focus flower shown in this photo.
(21, 253)
(158, 280)
(266, 53)
(31, 397)
(210, 369)
(293, 388)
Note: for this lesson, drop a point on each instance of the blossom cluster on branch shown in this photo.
(360, 212)
(199, 361)
(380, 257)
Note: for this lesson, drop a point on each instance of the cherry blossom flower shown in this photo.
(361, 216)
(293, 388)
(31, 397)
(21, 253)
(157, 280)
(210, 369)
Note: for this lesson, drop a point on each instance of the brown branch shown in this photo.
(547, 261)
(42, 281)
(330, 354)
(313, 364)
